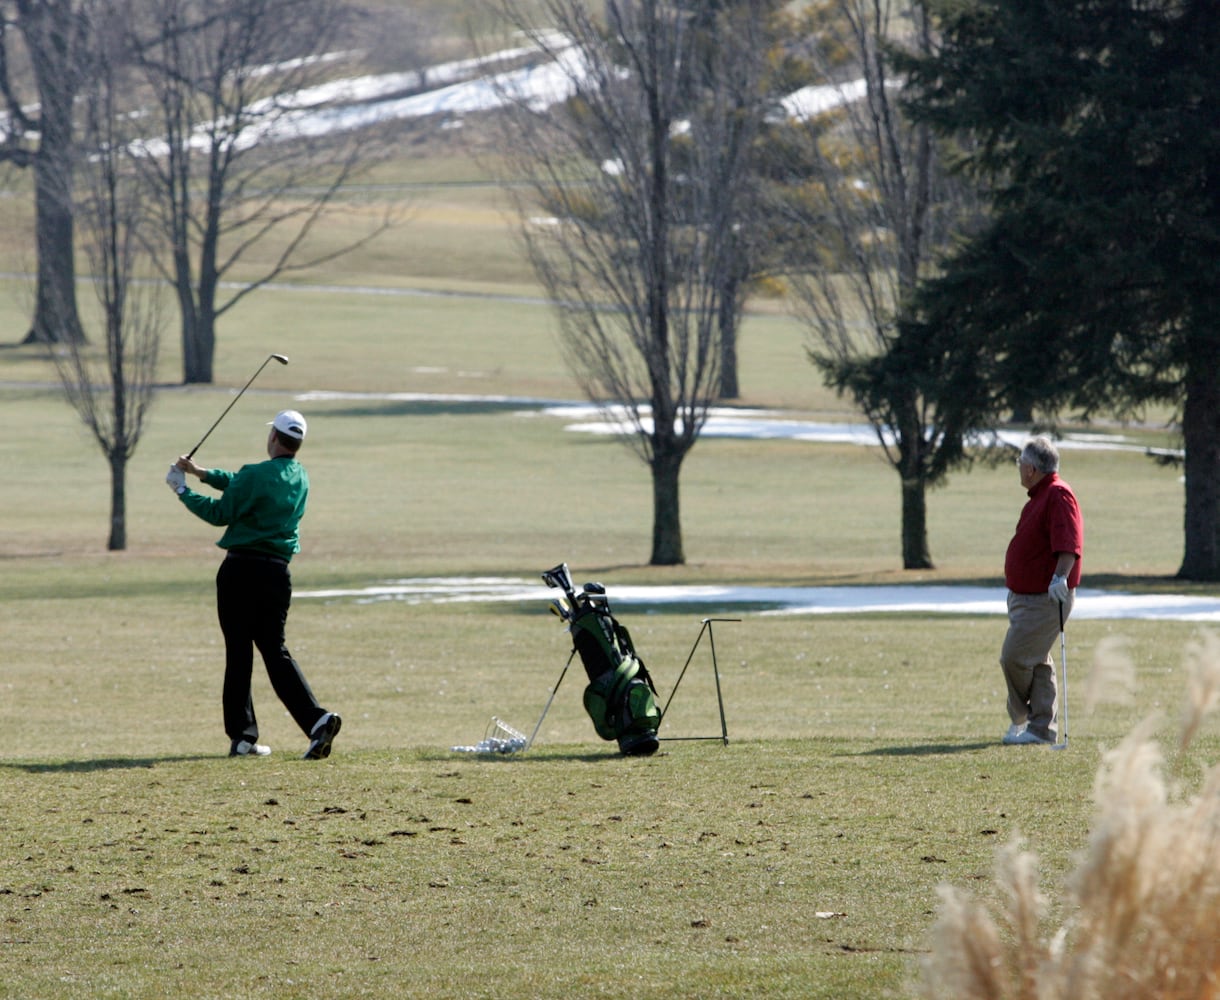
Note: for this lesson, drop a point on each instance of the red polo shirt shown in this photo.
(1050, 523)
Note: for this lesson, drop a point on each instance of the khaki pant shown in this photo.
(1029, 670)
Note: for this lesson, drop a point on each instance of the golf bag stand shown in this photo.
(620, 697)
(711, 638)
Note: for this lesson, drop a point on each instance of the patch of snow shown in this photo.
(727, 422)
(809, 102)
(363, 101)
(359, 102)
(722, 422)
(714, 599)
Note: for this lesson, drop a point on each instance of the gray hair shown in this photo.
(1042, 455)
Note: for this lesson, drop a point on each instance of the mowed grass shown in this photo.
(800, 860)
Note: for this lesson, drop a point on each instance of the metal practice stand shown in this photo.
(724, 729)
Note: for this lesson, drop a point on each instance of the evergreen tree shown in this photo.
(1096, 283)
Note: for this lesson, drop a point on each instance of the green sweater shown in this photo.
(261, 505)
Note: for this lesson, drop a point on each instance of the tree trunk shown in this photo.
(1201, 438)
(205, 320)
(55, 319)
(1022, 413)
(118, 501)
(911, 467)
(198, 330)
(666, 512)
(915, 552)
(209, 268)
(730, 388)
(198, 343)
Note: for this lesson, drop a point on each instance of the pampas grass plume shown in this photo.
(1202, 662)
(1142, 906)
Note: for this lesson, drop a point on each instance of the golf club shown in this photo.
(1063, 660)
(547, 707)
(560, 577)
(277, 357)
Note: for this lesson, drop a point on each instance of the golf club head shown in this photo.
(559, 608)
(559, 576)
(281, 358)
(595, 588)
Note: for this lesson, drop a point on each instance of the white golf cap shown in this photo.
(291, 423)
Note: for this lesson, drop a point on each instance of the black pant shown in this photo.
(252, 597)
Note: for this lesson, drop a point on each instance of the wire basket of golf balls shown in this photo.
(499, 738)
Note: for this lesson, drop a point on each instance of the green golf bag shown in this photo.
(620, 697)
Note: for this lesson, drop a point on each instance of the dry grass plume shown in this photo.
(1142, 913)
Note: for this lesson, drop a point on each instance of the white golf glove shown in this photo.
(1059, 589)
(176, 479)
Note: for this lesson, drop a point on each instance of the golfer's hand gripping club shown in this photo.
(270, 357)
(1059, 589)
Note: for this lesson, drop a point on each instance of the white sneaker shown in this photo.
(1027, 738)
(244, 748)
(1010, 737)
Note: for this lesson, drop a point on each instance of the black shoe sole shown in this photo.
(319, 747)
(641, 745)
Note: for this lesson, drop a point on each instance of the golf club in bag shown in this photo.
(620, 697)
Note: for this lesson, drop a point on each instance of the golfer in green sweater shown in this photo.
(260, 506)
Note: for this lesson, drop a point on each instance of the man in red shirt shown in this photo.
(1041, 571)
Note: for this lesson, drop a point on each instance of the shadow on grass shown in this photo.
(698, 609)
(1134, 583)
(532, 756)
(922, 750)
(1130, 583)
(434, 407)
(97, 764)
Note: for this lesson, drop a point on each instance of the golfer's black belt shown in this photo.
(262, 556)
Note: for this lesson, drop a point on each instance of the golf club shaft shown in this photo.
(278, 357)
(547, 707)
(1063, 660)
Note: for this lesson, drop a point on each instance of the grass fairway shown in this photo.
(779, 868)
(799, 861)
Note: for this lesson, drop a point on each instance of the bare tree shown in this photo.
(43, 42)
(239, 163)
(639, 175)
(885, 205)
(739, 81)
(112, 388)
